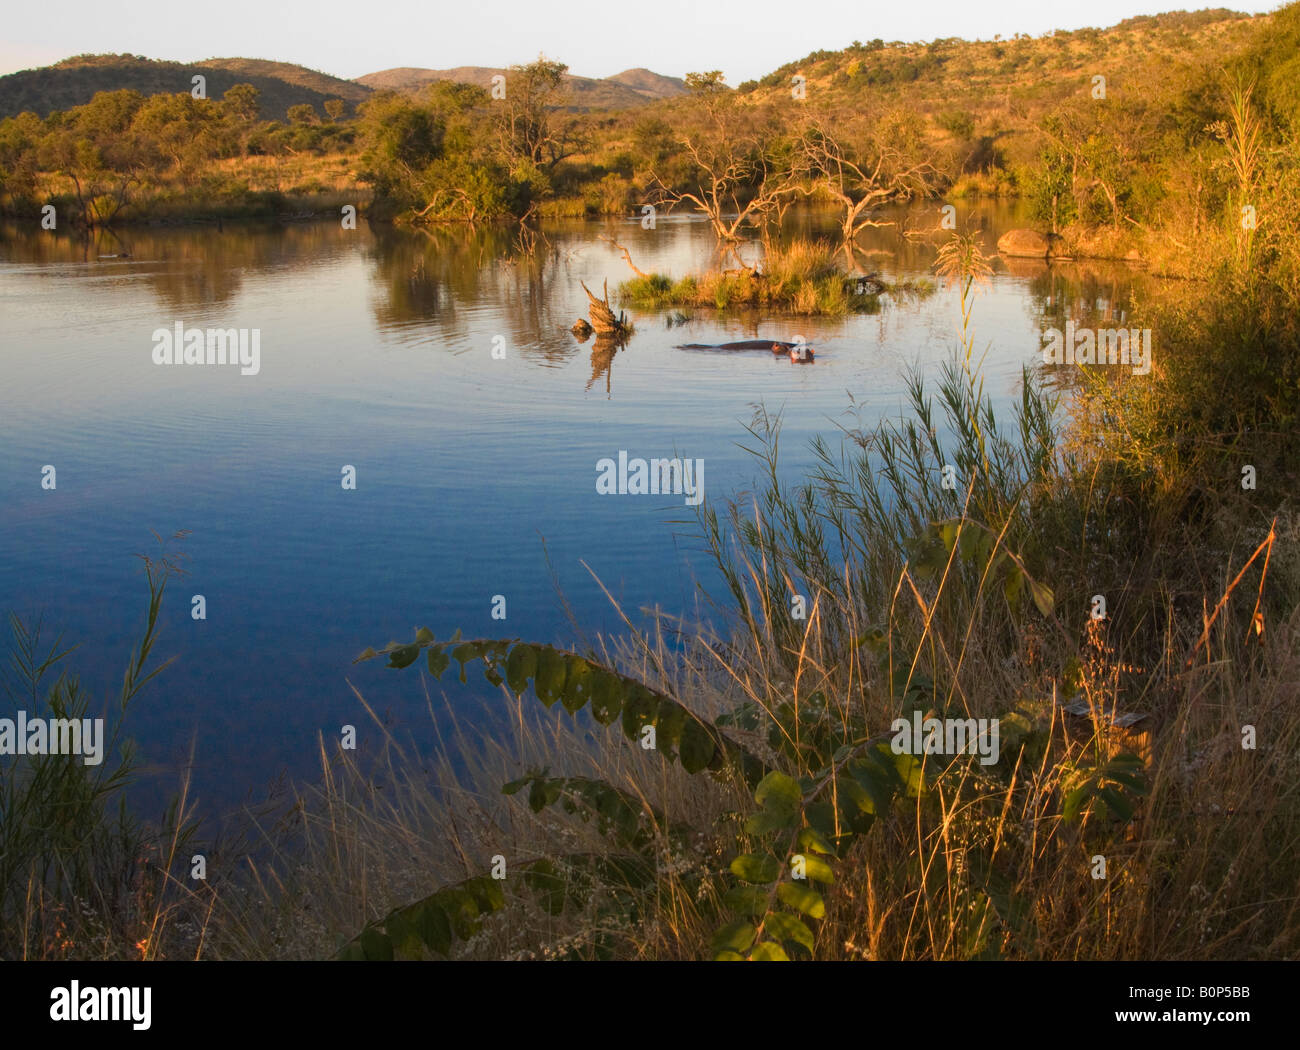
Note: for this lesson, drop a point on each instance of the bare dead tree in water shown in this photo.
(862, 180)
(735, 181)
(627, 257)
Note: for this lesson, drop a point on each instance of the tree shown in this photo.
(107, 113)
(427, 160)
(1099, 149)
(525, 120)
(706, 85)
(334, 108)
(732, 178)
(240, 101)
(401, 139)
(19, 139)
(178, 128)
(883, 167)
(101, 178)
(302, 113)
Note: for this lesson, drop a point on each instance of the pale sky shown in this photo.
(744, 38)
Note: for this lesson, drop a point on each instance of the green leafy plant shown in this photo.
(1111, 783)
(771, 891)
(575, 682)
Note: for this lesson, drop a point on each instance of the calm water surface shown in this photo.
(376, 352)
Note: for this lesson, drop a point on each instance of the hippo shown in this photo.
(800, 353)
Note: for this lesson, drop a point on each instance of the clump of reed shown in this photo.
(802, 277)
(81, 877)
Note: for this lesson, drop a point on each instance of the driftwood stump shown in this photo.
(602, 315)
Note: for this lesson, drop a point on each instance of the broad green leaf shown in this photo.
(606, 696)
(401, 930)
(817, 869)
(463, 654)
(487, 893)
(751, 867)
(874, 639)
(670, 725)
(769, 951)
(423, 636)
(697, 747)
(948, 533)
(911, 773)
(1128, 770)
(858, 795)
(786, 927)
(1073, 803)
(376, 946)
(768, 820)
(521, 665)
(577, 684)
(1012, 586)
(1115, 802)
(461, 911)
(512, 787)
(542, 794)
(1042, 596)
(747, 900)
(551, 670)
(821, 818)
(639, 708)
(802, 897)
(439, 661)
(735, 937)
(777, 791)
(812, 839)
(868, 777)
(403, 656)
(1014, 728)
(433, 927)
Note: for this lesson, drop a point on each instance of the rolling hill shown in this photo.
(996, 88)
(989, 85)
(633, 87)
(74, 81)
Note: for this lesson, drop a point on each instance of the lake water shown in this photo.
(376, 352)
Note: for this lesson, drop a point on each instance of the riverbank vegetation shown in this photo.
(81, 876)
(1096, 140)
(126, 158)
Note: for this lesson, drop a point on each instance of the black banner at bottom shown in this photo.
(501, 999)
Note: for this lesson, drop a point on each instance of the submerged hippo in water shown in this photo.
(800, 353)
